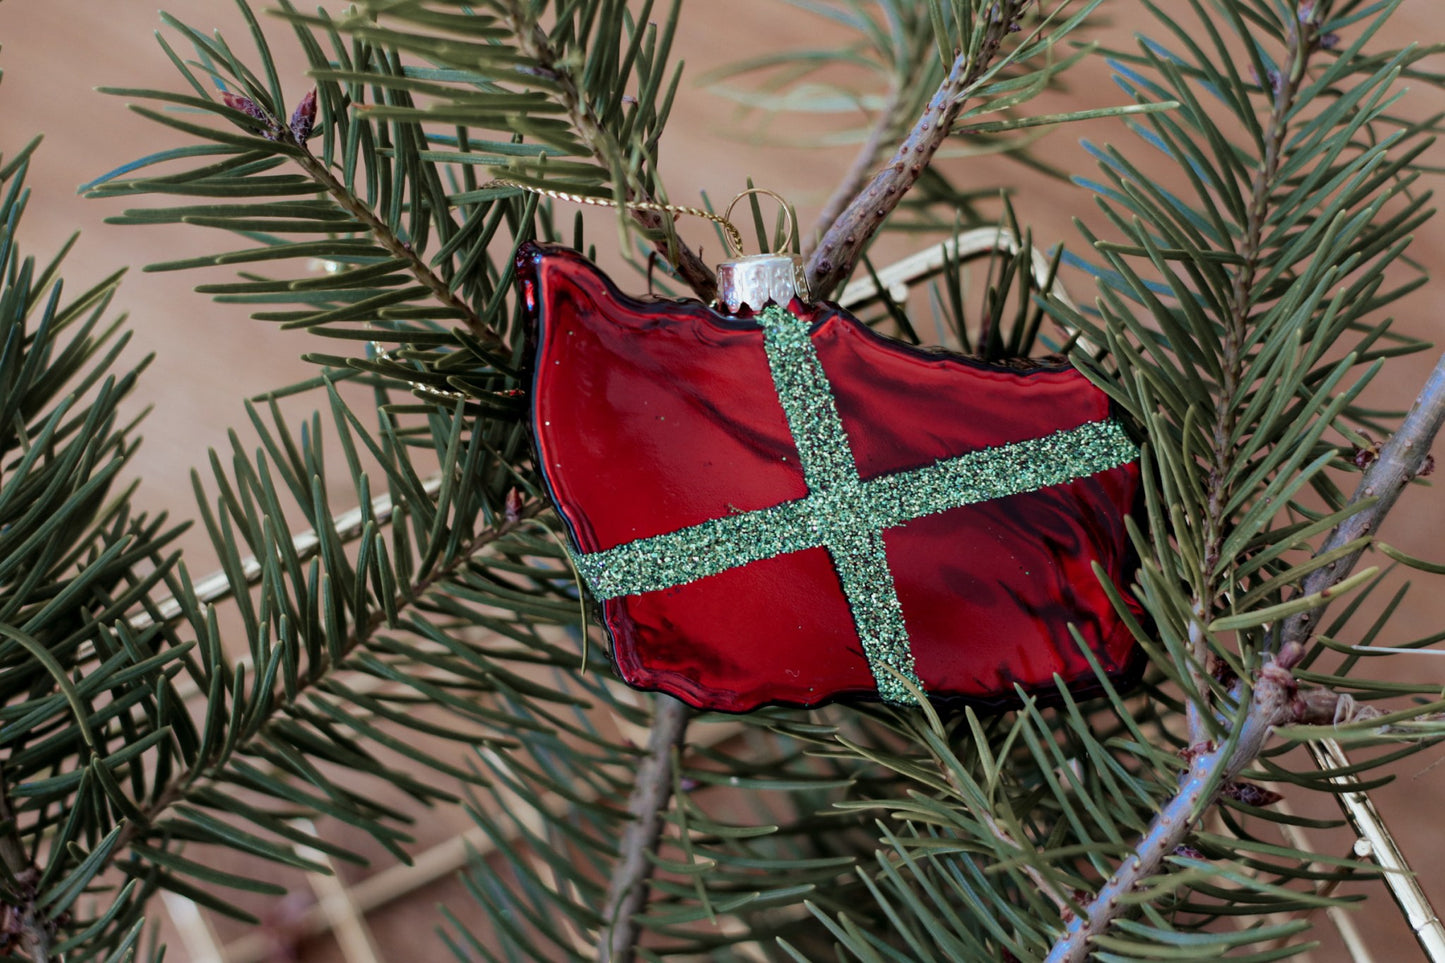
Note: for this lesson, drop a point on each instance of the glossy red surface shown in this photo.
(651, 416)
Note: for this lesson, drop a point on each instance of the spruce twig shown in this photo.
(204, 769)
(627, 893)
(1046, 886)
(533, 43)
(1273, 701)
(1300, 41)
(399, 249)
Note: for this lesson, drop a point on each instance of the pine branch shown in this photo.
(1269, 706)
(1301, 40)
(845, 239)
(627, 892)
(532, 41)
(1006, 839)
(294, 135)
(181, 784)
(305, 543)
(397, 247)
(1274, 700)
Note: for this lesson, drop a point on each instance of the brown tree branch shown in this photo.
(860, 171)
(627, 893)
(843, 242)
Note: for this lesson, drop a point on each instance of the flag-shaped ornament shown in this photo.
(784, 507)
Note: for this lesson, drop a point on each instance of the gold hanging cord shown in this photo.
(731, 234)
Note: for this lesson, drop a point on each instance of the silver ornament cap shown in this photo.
(757, 280)
(754, 281)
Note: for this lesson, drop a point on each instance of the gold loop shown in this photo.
(792, 221)
(731, 234)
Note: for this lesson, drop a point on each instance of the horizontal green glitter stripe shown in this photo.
(688, 554)
(845, 514)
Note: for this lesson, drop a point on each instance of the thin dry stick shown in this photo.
(1342, 917)
(1273, 700)
(197, 935)
(1406, 890)
(919, 266)
(348, 921)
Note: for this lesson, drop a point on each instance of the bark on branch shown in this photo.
(860, 171)
(23, 920)
(843, 242)
(1269, 707)
(1400, 460)
(627, 893)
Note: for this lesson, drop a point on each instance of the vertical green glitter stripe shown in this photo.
(862, 564)
(838, 512)
(807, 401)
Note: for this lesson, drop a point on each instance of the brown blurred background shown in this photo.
(55, 52)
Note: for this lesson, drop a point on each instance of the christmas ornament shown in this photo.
(784, 507)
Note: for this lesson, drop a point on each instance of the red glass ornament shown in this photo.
(652, 416)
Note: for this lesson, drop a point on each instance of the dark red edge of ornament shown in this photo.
(529, 253)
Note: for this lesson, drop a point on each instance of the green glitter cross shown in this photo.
(845, 514)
